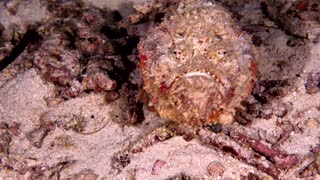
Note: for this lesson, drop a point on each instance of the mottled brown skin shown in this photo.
(197, 65)
(75, 56)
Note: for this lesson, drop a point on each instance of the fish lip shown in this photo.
(197, 74)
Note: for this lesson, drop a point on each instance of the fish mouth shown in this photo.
(196, 95)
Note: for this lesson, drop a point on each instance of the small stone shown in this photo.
(86, 174)
(53, 101)
(64, 142)
(15, 129)
(312, 84)
(215, 169)
(111, 96)
(120, 161)
(157, 166)
(311, 123)
(180, 176)
(216, 127)
(280, 110)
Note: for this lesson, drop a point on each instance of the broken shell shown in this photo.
(197, 65)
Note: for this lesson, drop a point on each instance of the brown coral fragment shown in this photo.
(180, 176)
(49, 172)
(63, 67)
(86, 174)
(313, 83)
(226, 144)
(298, 18)
(37, 136)
(75, 54)
(4, 144)
(281, 159)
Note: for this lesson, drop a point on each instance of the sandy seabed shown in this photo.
(289, 120)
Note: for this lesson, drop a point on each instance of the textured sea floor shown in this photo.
(67, 154)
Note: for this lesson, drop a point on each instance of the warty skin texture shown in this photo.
(197, 64)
